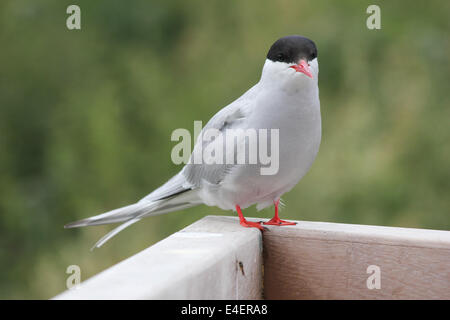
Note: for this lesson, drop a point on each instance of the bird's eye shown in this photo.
(280, 56)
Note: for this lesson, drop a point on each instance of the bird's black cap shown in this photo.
(291, 49)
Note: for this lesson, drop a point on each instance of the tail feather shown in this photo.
(113, 216)
(133, 213)
(113, 232)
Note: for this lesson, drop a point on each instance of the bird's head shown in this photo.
(292, 58)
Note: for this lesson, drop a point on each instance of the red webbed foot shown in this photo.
(276, 221)
(279, 222)
(248, 224)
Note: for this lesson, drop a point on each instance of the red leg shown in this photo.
(246, 223)
(276, 221)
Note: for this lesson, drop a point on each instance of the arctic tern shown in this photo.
(286, 98)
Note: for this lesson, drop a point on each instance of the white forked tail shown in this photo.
(135, 212)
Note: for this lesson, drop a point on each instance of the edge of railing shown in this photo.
(213, 258)
(216, 258)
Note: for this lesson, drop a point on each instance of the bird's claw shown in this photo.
(279, 222)
(250, 224)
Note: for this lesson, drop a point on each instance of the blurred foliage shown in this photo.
(86, 117)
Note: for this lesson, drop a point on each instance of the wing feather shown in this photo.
(235, 114)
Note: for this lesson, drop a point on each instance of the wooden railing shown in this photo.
(216, 258)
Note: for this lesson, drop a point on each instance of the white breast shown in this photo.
(293, 109)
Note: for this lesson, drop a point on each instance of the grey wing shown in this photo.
(232, 116)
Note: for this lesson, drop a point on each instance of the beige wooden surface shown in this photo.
(214, 258)
(315, 260)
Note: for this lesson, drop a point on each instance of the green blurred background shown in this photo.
(86, 118)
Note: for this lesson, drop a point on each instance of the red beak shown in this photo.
(303, 67)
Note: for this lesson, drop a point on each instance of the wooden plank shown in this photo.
(316, 260)
(214, 258)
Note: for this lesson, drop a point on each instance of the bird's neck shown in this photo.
(276, 76)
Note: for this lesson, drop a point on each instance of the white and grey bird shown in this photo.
(286, 98)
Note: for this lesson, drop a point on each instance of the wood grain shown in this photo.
(315, 260)
(214, 258)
